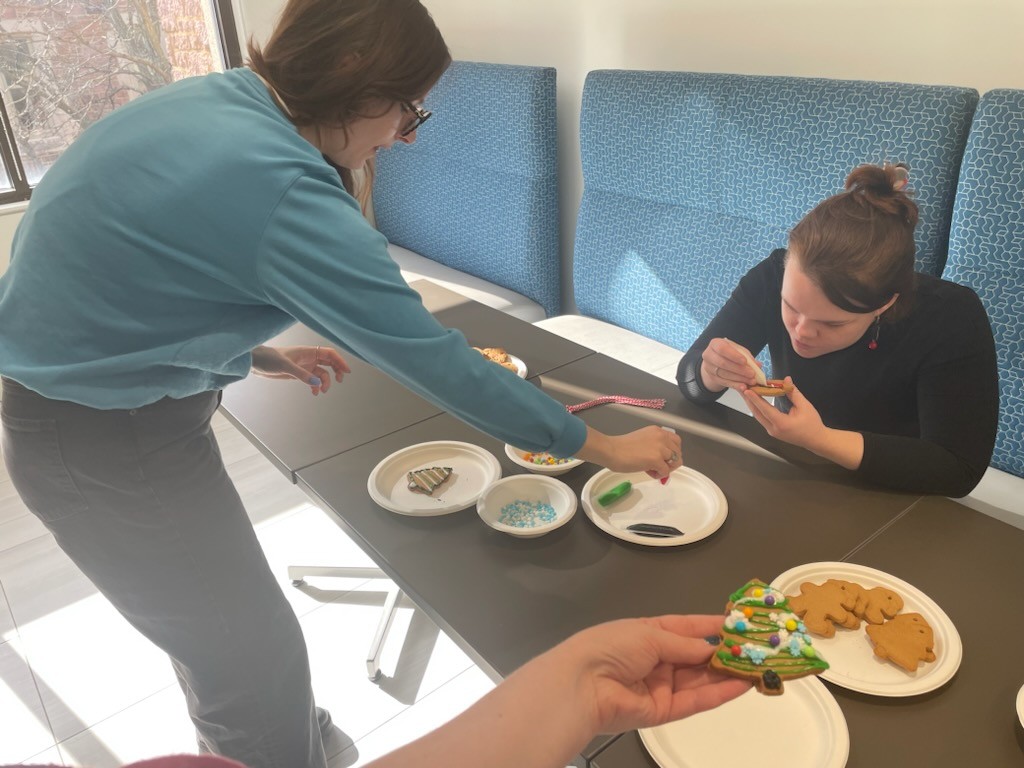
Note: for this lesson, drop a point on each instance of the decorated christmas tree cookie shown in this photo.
(764, 641)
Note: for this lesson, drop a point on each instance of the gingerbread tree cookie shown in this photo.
(762, 640)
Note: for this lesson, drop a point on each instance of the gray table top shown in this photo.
(505, 599)
(294, 429)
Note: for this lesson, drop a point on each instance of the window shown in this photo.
(66, 63)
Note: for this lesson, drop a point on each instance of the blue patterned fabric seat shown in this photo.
(478, 190)
(690, 179)
(986, 251)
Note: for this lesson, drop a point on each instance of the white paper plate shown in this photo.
(520, 366)
(689, 501)
(1020, 705)
(473, 469)
(850, 654)
(802, 728)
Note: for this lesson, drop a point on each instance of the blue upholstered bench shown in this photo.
(473, 203)
(690, 179)
(986, 252)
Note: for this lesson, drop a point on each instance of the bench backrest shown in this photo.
(690, 179)
(478, 190)
(986, 251)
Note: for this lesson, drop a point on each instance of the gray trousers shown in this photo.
(140, 501)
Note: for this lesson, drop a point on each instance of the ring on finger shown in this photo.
(672, 459)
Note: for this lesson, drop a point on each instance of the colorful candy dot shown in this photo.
(808, 652)
(758, 592)
(741, 626)
(736, 651)
(790, 625)
(748, 612)
(774, 640)
(769, 600)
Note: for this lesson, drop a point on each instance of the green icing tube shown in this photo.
(615, 493)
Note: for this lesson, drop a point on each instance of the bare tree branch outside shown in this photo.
(66, 63)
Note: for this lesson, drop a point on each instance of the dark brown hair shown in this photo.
(329, 60)
(858, 246)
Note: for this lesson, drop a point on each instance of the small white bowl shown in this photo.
(526, 488)
(519, 457)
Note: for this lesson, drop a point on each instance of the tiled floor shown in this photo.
(80, 687)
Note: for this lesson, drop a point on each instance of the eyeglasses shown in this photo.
(419, 117)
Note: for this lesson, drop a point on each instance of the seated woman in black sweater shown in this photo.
(894, 371)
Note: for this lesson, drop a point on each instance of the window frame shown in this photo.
(231, 57)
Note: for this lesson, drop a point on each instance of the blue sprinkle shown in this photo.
(527, 514)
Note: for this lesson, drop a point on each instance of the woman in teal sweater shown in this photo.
(157, 255)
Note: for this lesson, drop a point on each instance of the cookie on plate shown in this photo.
(906, 640)
(764, 641)
(823, 606)
(877, 604)
(499, 356)
(428, 479)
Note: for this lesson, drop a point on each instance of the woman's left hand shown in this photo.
(802, 426)
(310, 365)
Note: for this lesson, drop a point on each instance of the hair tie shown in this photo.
(901, 175)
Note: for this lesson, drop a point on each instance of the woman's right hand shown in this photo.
(654, 450)
(724, 365)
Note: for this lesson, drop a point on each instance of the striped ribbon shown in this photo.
(620, 399)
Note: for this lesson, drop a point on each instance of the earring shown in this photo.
(873, 344)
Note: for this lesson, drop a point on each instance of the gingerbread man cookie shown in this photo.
(906, 640)
(823, 606)
(877, 604)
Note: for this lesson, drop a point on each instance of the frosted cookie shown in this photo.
(772, 388)
(764, 641)
(427, 480)
(906, 640)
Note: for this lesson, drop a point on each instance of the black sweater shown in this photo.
(926, 400)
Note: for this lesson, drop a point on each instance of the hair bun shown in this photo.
(879, 180)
